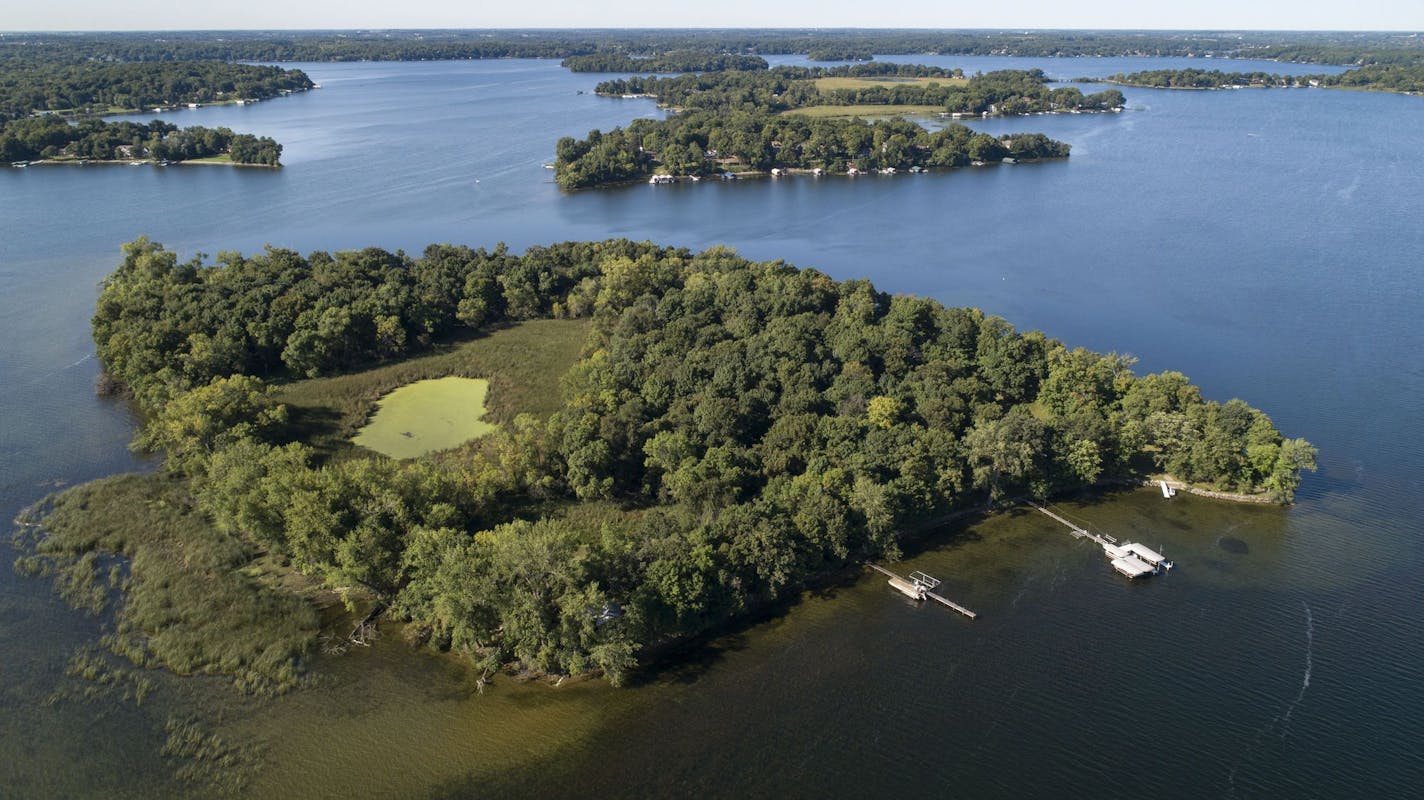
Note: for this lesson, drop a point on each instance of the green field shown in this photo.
(868, 111)
(523, 364)
(426, 416)
(831, 84)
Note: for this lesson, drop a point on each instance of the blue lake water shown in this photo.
(1265, 242)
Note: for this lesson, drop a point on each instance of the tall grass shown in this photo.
(187, 602)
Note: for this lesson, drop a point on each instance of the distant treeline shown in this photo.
(1389, 78)
(837, 53)
(1005, 92)
(56, 138)
(757, 423)
(1333, 48)
(705, 143)
(105, 88)
(1397, 49)
(675, 61)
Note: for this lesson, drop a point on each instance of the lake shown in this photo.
(1264, 242)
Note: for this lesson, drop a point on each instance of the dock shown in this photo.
(1130, 559)
(920, 586)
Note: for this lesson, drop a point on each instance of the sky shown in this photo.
(71, 15)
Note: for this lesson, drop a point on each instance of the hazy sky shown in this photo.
(1192, 14)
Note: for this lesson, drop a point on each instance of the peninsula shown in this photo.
(51, 109)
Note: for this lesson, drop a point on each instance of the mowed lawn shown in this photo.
(889, 81)
(523, 364)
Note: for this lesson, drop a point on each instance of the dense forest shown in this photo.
(1318, 47)
(743, 426)
(673, 61)
(79, 89)
(1005, 92)
(1202, 79)
(55, 138)
(706, 143)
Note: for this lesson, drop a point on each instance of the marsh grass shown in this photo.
(187, 600)
(523, 364)
(199, 756)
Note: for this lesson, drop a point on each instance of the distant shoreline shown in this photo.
(137, 162)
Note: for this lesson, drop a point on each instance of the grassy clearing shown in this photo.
(868, 111)
(182, 590)
(221, 158)
(523, 364)
(425, 416)
(831, 84)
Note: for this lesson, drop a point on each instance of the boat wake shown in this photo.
(1305, 679)
(55, 372)
(1282, 720)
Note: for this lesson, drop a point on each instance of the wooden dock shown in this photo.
(919, 588)
(1081, 533)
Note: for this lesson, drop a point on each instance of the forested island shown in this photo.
(699, 143)
(798, 118)
(1405, 79)
(54, 139)
(50, 109)
(727, 431)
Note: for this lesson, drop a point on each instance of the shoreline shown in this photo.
(137, 162)
(787, 172)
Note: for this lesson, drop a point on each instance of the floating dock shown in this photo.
(1129, 558)
(920, 586)
(1167, 491)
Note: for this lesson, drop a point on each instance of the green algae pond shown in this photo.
(426, 416)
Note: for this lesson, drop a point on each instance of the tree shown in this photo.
(194, 424)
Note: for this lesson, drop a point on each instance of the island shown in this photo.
(839, 120)
(1400, 78)
(676, 440)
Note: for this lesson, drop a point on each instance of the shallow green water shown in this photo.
(426, 416)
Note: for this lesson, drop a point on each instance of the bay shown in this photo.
(1265, 242)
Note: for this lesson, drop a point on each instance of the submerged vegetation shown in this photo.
(732, 430)
(186, 594)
